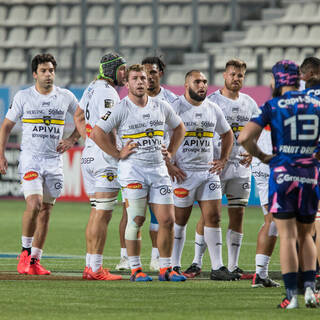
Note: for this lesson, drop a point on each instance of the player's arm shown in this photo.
(226, 147)
(66, 144)
(106, 142)
(5, 130)
(248, 138)
(79, 120)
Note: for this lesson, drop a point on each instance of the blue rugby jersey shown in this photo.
(294, 119)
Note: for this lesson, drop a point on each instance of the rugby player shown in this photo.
(140, 122)
(293, 187)
(42, 110)
(99, 170)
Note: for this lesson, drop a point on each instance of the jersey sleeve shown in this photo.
(111, 119)
(222, 124)
(172, 119)
(73, 103)
(263, 117)
(15, 111)
(105, 99)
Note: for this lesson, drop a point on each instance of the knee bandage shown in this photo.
(154, 226)
(135, 208)
(237, 203)
(93, 202)
(106, 204)
(273, 231)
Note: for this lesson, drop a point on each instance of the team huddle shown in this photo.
(165, 152)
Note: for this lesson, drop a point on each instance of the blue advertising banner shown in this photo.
(4, 101)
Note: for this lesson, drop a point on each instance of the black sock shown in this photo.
(33, 261)
(28, 249)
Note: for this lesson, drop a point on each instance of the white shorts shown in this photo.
(236, 188)
(152, 182)
(261, 173)
(41, 175)
(98, 175)
(199, 185)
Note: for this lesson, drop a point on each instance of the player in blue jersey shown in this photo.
(293, 186)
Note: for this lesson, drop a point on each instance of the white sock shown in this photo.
(262, 265)
(88, 257)
(234, 240)
(165, 262)
(213, 239)
(26, 241)
(134, 262)
(178, 244)
(200, 247)
(36, 253)
(154, 253)
(123, 253)
(96, 262)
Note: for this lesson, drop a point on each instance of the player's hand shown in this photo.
(175, 172)
(217, 165)
(267, 158)
(128, 149)
(3, 165)
(246, 160)
(64, 145)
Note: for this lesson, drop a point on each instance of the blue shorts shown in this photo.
(294, 192)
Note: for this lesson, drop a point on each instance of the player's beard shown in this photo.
(231, 88)
(194, 96)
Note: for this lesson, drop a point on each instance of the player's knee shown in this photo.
(214, 220)
(273, 231)
(34, 205)
(139, 220)
(106, 204)
(167, 222)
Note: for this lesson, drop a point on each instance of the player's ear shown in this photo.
(160, 74)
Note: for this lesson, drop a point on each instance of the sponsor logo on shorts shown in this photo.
(58, 185)
(31, 175)
(246, 186)
(281, 178)
(87, 160)
(134, 186)
(110, 176)
(214, 186)
(88, 129)
(165, 190)
(181, 192)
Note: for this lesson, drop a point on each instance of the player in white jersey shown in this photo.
(99, 170)
(154, 67)
(42, 110)
(194, 171)
(268, 233)
(140, 122)
(238, 109)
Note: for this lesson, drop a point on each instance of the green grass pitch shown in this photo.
(64, 253)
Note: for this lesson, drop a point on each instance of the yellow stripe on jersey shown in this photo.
(206, 134)
(50, 121)
(143, 135)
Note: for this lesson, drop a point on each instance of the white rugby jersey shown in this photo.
(166, 95)
(264, 143)
(201, 122)
(143, 125)
(43, 118)
(96, 100)
(237, 113)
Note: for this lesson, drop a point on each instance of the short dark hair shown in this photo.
(43, 58)
(189, 73)
(237, 63)
(134, 67)
(311, 63)
(154, 60)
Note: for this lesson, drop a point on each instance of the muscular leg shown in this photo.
(122, 226)
(29, 218)
(199, 243)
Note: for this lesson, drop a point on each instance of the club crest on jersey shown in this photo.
(150, 132)
(199, 133)
(30, 175)
(108, 103)
(110, 176)
(47, 120)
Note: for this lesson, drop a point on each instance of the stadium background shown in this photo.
(188, 34)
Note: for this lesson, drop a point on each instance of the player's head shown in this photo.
(154, 67)
(285, 74)
(112, 67)
(196, 86)
(43, 68)
(234, 74)
(136, 80)
(310, 71)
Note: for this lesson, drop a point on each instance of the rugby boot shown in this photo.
(37, 269)
(138, 276)
(167, 274)
(23, 266)
(103, 274)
